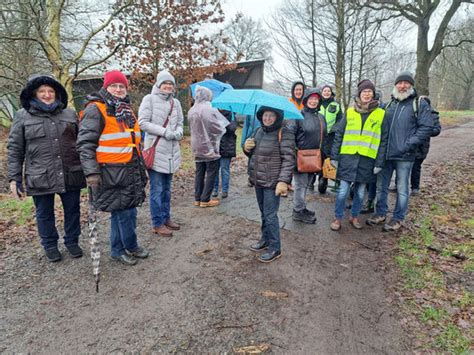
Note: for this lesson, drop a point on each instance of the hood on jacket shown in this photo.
(202, 94)
(293, 90)
(163, 76)
(34, 82)
(278, 122)
(330, 88)
(310, 92)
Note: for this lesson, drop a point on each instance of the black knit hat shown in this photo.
(365, 84)
(406, 76)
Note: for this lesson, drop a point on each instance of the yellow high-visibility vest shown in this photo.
(362, 140)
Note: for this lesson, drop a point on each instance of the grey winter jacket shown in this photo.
(407, 131)
(123, 184)
(355, 167)
(207, 126)
(272, 161)
(43, 145)
(152, 114)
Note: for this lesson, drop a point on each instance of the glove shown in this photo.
(377, 170)
(16, 188)
(169, 134)
(281, 188)
(178, 136)
(94, 180)
(334, 163)
(249, 144)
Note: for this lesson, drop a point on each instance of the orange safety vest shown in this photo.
(299, 106)
(117, 141)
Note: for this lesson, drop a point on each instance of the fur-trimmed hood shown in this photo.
(34, 82)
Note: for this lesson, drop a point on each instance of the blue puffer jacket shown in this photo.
(407, 131)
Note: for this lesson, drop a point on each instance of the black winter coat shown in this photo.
(272, 161)
(227, 148)
(46, 144)
(355, 167)
(123, 184)
(407, 131)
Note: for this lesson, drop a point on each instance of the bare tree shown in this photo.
(246, 39)
(49, 20)
(420, 13)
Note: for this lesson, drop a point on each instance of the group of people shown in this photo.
(51, 150)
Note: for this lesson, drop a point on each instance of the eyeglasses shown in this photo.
(118, 86)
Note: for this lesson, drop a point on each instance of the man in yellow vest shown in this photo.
(109, 146)
(358, 151)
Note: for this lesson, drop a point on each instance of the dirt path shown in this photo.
(203, 290)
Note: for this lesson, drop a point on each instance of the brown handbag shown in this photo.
(148, 154)
(310, 160)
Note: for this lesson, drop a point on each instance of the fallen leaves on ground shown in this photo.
(252, 349)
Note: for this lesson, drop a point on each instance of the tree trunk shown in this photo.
(423, 62)
(465, 103)
(339, 50)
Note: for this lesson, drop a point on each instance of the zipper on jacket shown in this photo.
(391, 126)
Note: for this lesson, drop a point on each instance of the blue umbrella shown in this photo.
(217, 87)
(247, 102)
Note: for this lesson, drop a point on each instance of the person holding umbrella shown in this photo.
(272, 158)
(109, 147)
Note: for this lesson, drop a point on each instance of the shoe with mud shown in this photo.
(415, 192)
(375, 220)
(336, 225)
(354, 221)
(210, 203)
(260, 245)
(74, 250)
(53, 255)
(225, 194)
(140, 253)
(392, 226)
(269, 256)
(162, 231)
(125, 259)
(368, 207)
(172, 226)
(309, 212)
(303, 217)
(215, 194)
(197, 203)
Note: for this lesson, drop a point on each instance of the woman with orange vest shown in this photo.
(109, 148)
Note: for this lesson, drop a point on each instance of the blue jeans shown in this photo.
(224, 167)
(122, 231)
(268, 204)
(372, 188)
(344, 188)
(402, 169)
(160, 197)
(46, 220)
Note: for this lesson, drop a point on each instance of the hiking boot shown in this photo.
(309, 212)
(355, 222)
(368, 207)
(269, 256)
(311, 187)
(52, 254)
(210, 203)
(162, 231)
(392, 226)
(172, 226)
(260, 245)
(375, 219)
(197, 203)
(303, 217)
(215, 194)
(224, 195)
(336, 225)
(125, 259)
(140, 253)
(415, 192)
(75, 250)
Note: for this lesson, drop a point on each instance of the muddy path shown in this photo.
(204, 290)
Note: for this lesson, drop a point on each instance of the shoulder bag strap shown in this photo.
(165, 124)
